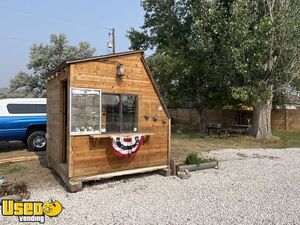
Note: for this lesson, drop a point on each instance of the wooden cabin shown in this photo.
(106, 118)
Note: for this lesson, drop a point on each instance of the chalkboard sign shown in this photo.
(85, 111)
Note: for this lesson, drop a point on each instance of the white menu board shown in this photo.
(85, 111)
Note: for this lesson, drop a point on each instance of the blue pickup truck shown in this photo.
(24, 119)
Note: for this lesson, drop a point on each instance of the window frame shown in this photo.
(10, 111)
(121, 114)
(72, 133)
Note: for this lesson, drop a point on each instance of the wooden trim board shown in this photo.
(169, 143)
(118, 134)
(20, 159)
(117, 174)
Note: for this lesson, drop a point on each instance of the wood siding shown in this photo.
(54, 115)
(55, 120)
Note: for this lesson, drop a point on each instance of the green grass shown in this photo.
(288, 139)
(192, 141)
(10, 168)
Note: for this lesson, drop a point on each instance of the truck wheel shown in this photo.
(36, 141)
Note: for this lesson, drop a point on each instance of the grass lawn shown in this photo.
(192, 141)
(10, 168)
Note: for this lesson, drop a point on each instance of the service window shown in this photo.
(85, 111)
(119, 113)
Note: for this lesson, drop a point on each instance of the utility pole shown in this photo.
(113, 41)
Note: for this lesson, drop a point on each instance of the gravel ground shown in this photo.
(258, 186)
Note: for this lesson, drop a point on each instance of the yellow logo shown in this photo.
(52, 209)
(31, 211)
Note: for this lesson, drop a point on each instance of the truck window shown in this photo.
(26, 108)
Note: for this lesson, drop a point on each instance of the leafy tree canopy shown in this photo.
(245, 49)
(22, 79)
(265, 47)
(45, 57)
(20, 86)
(188, 63)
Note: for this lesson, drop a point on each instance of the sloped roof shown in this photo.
(67, 62)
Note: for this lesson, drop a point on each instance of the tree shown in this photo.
(265, 48)
(3, 93)
(22, 79)
(20, 87)
(296, 84)
(250, 45)
(44, 58)
(167, 72)
(188, 70)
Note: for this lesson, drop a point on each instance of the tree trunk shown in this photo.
(201, 116)
(261, 128)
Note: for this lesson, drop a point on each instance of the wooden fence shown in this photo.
(288, 119)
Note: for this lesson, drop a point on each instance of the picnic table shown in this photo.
(240, 127)
(234, 129)
(212, 126)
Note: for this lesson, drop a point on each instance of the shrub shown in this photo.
(193, 158)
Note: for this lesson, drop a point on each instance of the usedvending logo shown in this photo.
(31, 211)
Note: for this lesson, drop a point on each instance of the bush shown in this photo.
(193, 158)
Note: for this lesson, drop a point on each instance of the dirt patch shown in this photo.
(12, 146)
(15, 151)
(10, 168)
(34, 173)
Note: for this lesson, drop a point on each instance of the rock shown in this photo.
(187, 172)
(165, 172)
(184, 174)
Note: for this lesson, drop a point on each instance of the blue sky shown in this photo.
(32, 21)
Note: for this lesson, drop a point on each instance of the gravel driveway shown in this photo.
(259, 186)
